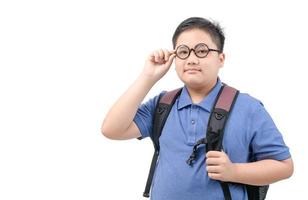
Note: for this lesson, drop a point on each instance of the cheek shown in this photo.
(179, 65)
(218, 62)
(178, 70)
(210, 64)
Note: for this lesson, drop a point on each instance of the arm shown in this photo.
(118, 123)
(262, 172)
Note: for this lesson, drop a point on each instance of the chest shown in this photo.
(185, 127)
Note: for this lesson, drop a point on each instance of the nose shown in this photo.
(192, 58)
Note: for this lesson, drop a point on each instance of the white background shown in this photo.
(63, 63)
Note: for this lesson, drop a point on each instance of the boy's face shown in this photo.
(198, 72)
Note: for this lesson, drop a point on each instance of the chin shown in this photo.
(194, 83)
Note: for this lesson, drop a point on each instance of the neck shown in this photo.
(197, 94)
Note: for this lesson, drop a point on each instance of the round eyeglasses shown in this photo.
(201, 51)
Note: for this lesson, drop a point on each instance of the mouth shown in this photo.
(192, 70)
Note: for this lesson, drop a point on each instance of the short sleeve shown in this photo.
(144, 116)
(267, 142)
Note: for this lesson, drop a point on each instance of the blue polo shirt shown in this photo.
(250, 134)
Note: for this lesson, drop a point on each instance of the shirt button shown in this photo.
(192, 121)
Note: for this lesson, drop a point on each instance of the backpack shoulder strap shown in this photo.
(256, 192)
(217, 122)
(220, 112)
(162, 111)
(215, 131)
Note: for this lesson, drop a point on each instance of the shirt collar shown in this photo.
(206, 103)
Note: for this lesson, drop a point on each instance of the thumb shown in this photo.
(170, 60)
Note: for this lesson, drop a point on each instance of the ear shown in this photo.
(221, 58)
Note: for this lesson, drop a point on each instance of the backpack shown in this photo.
(214, 135)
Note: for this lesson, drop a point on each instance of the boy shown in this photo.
(250, 133)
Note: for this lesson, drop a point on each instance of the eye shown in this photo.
(182, 51)
(202, 51)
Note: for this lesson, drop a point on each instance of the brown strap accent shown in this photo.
(169, 96)
(226, 96)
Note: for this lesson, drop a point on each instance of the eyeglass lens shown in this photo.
(200, 50)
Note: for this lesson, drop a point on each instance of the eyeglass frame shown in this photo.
(190, 50)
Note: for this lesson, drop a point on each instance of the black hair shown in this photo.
(212, 28)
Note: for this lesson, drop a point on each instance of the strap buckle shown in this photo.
(193, 155)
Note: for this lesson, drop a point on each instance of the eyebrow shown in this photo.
(192, 47)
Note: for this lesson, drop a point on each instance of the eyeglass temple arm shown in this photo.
(215, 50)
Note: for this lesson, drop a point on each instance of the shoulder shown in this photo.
(154, 100)
(251, 109)
(248, 108)
(247, 102)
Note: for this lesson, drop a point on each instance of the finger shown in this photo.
(213, 169)
(161, 56)
(161, 53)
(151, 57)
(170, 60)
(214, 176)
(212, 161)
(157, 57)
(172, 56)
(166, 54)
(213, 154)
(172, 52)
